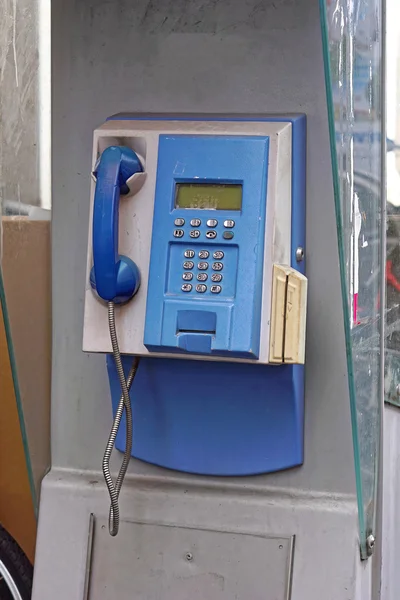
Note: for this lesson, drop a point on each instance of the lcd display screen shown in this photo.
(209, 196)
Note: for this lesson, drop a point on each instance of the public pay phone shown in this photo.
(196, 250)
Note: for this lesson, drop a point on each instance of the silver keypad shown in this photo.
(189, 253)
(187, 276)
(216, 277)
(229, 223)
(212, 223)
(202, 276)
(218, 254)
(179, 222)
(215, 289)
(211, 235)
(202, 266)
(201, 288)
(204, 254)
(217, 266)
(195, 222)
(178, 233)
(188, 264)
(187, 287)
(195, 233)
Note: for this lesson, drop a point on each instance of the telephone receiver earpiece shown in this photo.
(114, 277)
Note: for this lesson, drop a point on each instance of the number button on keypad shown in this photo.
(217, 266)
(187, 287)
(216, 277)
(195, 222)
(179, 222)
(201, 288)
(204, 254)
(202, 276)
(187, 276)
(202, 266)
(212, 223)
(188, 253)
(218, 254)
(178, 233)
(188, 264)
(215, 289)
(229, 223)
(195, 233)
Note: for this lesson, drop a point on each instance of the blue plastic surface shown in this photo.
(218, 418)
(237, 309)
(214, 418)
(113, 276)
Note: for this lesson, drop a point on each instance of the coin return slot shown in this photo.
(196, 322)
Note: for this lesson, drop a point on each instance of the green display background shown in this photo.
(206, 196)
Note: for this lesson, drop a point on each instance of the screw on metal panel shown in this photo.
(299, 254)
(398, 389)
(189, 556)
(370, 544)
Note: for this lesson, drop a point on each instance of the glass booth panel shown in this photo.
(392, 337)
(352, 51)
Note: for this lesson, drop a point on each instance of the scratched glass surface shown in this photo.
(25, 204)
(351, 32)
(392, 353)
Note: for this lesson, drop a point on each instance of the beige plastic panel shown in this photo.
(136, 219)
(288, 316)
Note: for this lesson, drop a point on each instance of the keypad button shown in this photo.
(215, 289)
(187, 287)
(216, 277)
(189, 253)
(188, 264)
(195, 222)
(228, 235)
(211, 235)
(202, 276)
(179, 222)
(195, 233)
(187, 276)
(204, 254)
(178, 233)
(201, 288)
(218, 254)
(212, 223)
(229, 223)
(217, 266)
(202, 266)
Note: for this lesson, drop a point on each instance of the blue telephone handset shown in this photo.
(115, 277)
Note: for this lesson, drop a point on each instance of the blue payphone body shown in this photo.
(208, 220)
(217, 203)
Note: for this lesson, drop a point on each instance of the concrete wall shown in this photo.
(19, 102)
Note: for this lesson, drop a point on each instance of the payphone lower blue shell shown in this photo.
(214, 418)
(221, 418)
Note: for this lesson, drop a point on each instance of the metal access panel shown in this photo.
(158, 562)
